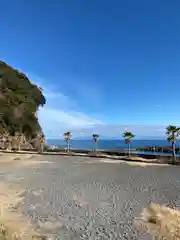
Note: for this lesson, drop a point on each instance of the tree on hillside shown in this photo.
(3, 135)
(128, 136)
(20, 100)
(173, 134)
(19, 139)
(95, 140)
(5, 139)
(42, 142)
(67, 136)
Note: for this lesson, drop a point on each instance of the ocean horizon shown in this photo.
(108, 144)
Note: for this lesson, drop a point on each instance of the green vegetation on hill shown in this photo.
(19, 103)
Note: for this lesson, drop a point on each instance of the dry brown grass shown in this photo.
(110, 161)
(145, 164)
(141, 164)
(161, 222)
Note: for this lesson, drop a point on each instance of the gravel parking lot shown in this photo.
(86, 198)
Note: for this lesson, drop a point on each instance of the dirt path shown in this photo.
(13, 224)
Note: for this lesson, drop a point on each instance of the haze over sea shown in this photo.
(107, 144)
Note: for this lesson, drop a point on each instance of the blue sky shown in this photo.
(105, 66)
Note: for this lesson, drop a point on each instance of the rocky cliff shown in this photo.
(19, 103)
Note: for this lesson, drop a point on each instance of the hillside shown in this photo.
(19, 103)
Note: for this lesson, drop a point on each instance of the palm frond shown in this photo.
(128, 135)
(95, 135)
(67, 136)
(172, 139)
(172, 129)
(173, 133)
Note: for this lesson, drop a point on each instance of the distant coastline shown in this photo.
(109, 144)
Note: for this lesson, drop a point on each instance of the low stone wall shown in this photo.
(167, 159)
(148, 156)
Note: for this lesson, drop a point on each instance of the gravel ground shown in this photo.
(84, 198)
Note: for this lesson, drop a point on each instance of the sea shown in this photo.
(107, 144)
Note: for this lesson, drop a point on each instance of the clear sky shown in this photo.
(105, 66)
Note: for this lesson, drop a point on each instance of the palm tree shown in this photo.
(67, 136)
(95, 140)
(173, 133)
(128, 136)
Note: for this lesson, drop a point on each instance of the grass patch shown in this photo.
(141, 164)
(144, 164)
(161, 222)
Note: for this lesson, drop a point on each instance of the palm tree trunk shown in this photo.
(129, 149)
(174, 153)
(19, 143)
(3, 144)
(9, 144)
(94, 146)
(68, 146)
(20, 137)
(42, 147)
